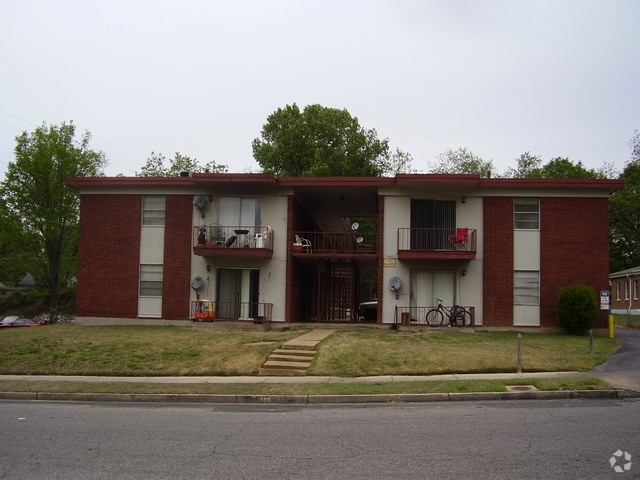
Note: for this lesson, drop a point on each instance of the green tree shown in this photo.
(462, 161)
(35, 196)
(156, 166)
(562, 167)
(13, 259)
(322, 141)
(624, 214)
(527, 164)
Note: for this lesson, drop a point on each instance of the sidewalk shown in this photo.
(307, 379)
(519, 393)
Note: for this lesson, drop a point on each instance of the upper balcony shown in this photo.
(437, 243)
(236, 241)
(334, 244)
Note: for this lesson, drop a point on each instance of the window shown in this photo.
(635, 289)
(151, 280)
(626, 290)
(526, 213)
(240, 212)
(153, 207)
(526, 287)
(432, 221)
(617, 290)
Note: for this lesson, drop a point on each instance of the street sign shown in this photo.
(605, 296)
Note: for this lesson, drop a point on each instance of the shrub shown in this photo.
(577, 308)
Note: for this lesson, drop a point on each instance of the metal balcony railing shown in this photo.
(418, 315)
(228, 236)
(257, 312)
(334, 242)
(437, 239)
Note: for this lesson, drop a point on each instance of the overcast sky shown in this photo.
(199, 77)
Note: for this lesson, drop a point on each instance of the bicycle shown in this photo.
(456, 315)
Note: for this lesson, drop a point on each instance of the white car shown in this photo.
(9, 319)
(368, 311)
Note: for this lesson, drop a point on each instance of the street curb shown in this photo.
(320, 399)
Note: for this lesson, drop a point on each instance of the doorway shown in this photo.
(237, 293)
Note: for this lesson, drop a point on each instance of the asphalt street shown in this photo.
(622, 369)
(553, 439)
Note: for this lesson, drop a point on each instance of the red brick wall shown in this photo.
(574, 248)
(623, 303)
(498, 261)
(108, 256)
(177, 257)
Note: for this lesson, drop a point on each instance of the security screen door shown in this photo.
(237, 296)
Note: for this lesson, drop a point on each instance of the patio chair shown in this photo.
(460, 240)
(306, 244)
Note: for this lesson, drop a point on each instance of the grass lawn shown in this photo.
(380, 352)
(69, 349)
(628, 321)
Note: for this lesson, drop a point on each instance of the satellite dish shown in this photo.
(355, 226)
(394, 284)
(201, 204)
(196, 283)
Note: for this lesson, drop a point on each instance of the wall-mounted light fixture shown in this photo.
(208, 268)
(463, 272)
(463, 199)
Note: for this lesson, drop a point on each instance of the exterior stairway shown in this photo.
(295, 356)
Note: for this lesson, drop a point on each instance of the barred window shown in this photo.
(151, 280)
(526, 287)
(526, 213)
(153, 207)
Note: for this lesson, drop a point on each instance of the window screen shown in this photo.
(153, 207)
(526, 213)
(151, 280)
(526, 287)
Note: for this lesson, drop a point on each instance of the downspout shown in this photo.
(630, 297)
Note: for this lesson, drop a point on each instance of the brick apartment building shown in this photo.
(289, 250)
(624, 291)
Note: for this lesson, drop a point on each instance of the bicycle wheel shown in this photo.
(463, 318)
(434, 317)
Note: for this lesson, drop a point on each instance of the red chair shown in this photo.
(460, 240)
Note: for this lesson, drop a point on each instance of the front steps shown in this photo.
(295, 356)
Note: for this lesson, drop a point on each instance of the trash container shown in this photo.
(406, 318)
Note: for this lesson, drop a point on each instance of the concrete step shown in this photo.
(275, 364)
(302, 345)
(283, 357)
(292, 352)
(279, 372)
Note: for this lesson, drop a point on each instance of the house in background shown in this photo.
(624, 291)
(289, 250)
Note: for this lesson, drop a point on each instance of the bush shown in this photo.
(577, 308)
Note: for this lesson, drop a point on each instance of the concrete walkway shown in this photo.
(308, 341)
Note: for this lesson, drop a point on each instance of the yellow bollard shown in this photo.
(611, 335)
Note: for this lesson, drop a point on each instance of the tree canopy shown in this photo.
(156, 166)
(322, 141)
(42, 209)
(624, 214)
(462, 161)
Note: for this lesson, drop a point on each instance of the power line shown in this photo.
(108, 154)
